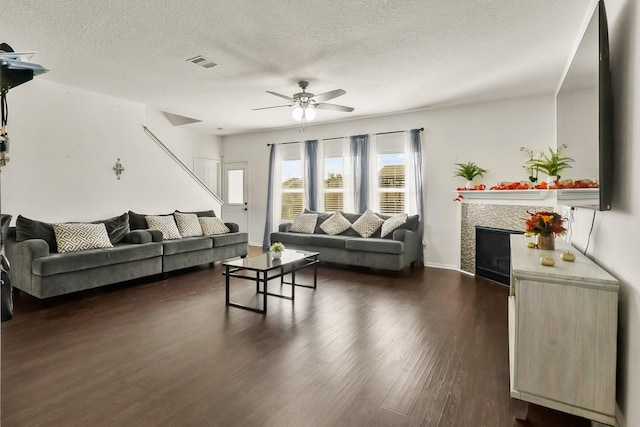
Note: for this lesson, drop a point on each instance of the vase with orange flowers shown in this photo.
(546, 226)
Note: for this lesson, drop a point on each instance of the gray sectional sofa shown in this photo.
(39, 270)
(395, 251)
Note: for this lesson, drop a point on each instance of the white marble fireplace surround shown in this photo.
(505, 216)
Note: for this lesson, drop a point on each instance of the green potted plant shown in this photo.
(469, 171)
(276, 249)
(553, 163)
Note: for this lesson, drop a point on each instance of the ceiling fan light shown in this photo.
(297, 113)
(310, 113)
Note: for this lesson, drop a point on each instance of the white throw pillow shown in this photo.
(164, 223)
(367, 224)
(74, 237)
(212, 225)
(392, 223)
(188, 224)
(336, 224)
(304, 223)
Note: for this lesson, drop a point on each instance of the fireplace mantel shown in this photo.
(566, 196)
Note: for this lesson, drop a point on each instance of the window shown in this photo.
(333, 184)
(391, 174)
(387, 187)
(292, 189)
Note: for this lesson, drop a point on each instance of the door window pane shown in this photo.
(235, 187)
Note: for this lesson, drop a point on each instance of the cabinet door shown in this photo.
(566, 344)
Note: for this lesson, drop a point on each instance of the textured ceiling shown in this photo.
(388, 55)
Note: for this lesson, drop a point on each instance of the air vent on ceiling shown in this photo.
(202, 61)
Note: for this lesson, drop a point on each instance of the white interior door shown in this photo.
(236, 202)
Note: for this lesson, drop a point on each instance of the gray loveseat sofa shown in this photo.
(38, 269)
(395, 251)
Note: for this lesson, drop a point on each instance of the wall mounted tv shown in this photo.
(585, 112)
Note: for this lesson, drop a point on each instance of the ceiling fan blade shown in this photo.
(329, 95)
(288, 98)
(334, 107)
(275, 106)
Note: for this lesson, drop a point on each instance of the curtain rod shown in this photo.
(337, 137)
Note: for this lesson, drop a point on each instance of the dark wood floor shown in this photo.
(427, 347)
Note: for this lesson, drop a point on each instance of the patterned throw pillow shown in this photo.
(212, 225)
(164, 223)
(336, 224)
(304, 223)
(392, 223)
(367, 224)
(188, 224)
(74, 237)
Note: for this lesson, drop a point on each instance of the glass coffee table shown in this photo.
(268, 268)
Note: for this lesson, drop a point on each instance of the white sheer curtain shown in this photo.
(320, 178)
(347, 177)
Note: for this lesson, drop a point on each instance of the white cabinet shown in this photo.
(562, 332)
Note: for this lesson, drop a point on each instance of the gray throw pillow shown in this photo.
(31, 229)
(117, 227)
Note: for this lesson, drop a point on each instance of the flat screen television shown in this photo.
(584, 113)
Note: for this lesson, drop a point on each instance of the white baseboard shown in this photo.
(442, 266)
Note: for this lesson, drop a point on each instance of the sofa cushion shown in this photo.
(367, 224)
(392, 223)
(211, 226)
(138, 237)
(336, 224)
(27, 229)
(117, 227)
(93, 258)
(74, 237)
(327, 241)
(304, 223)
(289, 238)
(210, 213)
(166, 224)
(187, 244)
(229, 239)
(384, 246)
(188, 224)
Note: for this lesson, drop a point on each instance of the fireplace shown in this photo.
(493, 253)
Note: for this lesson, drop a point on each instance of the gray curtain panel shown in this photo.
(416, 157)
(311, 174)
(270, 183)
(360, 163)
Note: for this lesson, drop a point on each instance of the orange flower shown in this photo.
(545, 223)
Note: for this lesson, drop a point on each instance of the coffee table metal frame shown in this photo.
(263, 265)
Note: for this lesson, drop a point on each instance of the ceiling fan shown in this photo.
(305, 103)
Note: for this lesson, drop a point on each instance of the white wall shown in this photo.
(616, 233)
(489, 134)
(64, 144)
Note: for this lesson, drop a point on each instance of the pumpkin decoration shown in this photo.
(568, 256)
(547, 261)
